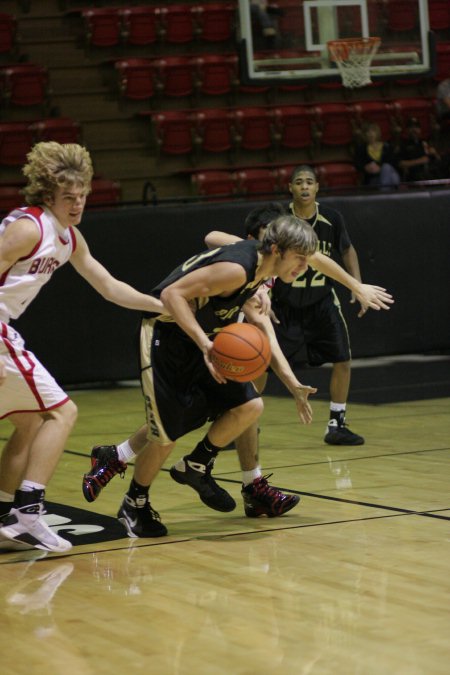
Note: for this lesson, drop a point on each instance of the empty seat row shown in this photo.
(24, 84)
(144, 25)
(291, 126)
(17, 138)
(266, 181)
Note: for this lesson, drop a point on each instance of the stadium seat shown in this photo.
(8, 33)
(214, 183)
(177, 24)
(333, 124)
(293, 126)
(16, 140)
(214, 21)
(60, 129)
(421, 108)
(140, 25)
(24, 84)
(214, 74)
(252, 128)
(401, 15)
(442, 61)
(103, 26)
(175, 76)
(136, 78)
(284, 173)
(245, 88)
(337, 174)
(439, 14)
(173, 132)
(257, 181)
(213, 130)
(10, 198)
(377, 112)
(105, 192)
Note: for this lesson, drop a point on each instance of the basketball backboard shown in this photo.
(298, 51)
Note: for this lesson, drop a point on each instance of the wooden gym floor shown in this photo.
(355, 580)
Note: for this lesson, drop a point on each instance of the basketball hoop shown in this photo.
(353, 58)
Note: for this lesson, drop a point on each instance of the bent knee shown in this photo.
(253, 408)
(66, 413)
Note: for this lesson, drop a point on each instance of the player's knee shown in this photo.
(254, 409)
(66, 414)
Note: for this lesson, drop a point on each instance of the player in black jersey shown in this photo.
(311, 326)
(182, 389)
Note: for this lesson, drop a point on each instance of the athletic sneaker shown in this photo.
(198, 477)
(25, 528)
(340, 434)
(105, 464)
(139, 519)
(261, 499)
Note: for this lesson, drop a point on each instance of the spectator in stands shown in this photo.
(264, 19)
(416, 158)
(375, 159)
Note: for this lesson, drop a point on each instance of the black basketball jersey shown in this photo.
(311, 286)
(215, 312)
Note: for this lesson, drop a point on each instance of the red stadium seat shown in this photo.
(284, 174)
(140, 25)
(8, 33)
(177, 24)
(293, 126)
(421, 108)
(257, 181)
(334, 124)
(175, 76)
(337, 174)
(103, 26)
(136, 78)
(290, 20)
(214, 74)
(401, 15)
(439, 14)
(442, 61)
(104, 192)
(211, 183)
(173, 132)
(24, 84)
(60, 129)
(377, 112)
(253, 128)
(215, 21)
(16, 140)
(213, 130)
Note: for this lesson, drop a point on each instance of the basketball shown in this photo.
(241, 352)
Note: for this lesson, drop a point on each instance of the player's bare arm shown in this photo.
(217, 238)
(368, 295)
(108, 286)
(217, 279)
(17, 241)
(280, 365)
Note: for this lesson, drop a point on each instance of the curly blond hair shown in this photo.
(51, 165)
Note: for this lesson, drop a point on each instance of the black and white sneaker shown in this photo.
(198, 477)
(339, 434)
(139, 519)
(24, 528)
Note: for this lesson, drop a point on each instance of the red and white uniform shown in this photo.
(29, 387)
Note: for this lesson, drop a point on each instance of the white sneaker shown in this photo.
(22, 531)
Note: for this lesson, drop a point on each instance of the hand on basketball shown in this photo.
(207, 349)
(301, 401)
(373, 297)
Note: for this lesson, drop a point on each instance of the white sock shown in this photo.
(249, 476)
(125, 452)
(337, 407)
(29, 486)
(6, 496)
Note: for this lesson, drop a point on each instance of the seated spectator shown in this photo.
(443, 100)
(375, 159)
(264, 19)
(416, 158)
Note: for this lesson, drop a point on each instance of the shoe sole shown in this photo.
(348, 443)
(178, 478)
(8, 540)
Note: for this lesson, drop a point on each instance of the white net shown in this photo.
(353, 59)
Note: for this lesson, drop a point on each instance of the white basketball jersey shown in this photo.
(20, 284)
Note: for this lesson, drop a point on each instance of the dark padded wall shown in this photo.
(403, 243)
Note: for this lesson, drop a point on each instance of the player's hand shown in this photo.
(303, 405)
(373, 297)
(207, 349)
(261, 301)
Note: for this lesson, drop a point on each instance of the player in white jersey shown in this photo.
(35, 240)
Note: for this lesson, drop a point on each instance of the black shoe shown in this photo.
(200, 480)
(340, 434)
(105, 464)
(260, 499)
(139, 519)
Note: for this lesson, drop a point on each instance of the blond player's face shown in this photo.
(289, 265)
(67, 204)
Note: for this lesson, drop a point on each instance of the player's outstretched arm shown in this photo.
(281, 367)
(370, 296)
(108, 286)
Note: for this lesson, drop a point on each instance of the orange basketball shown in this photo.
(241, 352)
